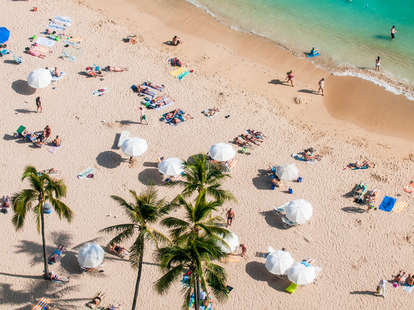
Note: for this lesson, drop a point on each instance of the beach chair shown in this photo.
(41, 305)
(20, 130)
(122, 137)
(66, 55)
(291, 288)
(287, 222)
(17, 60)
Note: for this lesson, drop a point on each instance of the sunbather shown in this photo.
(56, 72)
(257, 134)
(360, 165)
(96, 301)
(113, 307)
(115, 69)
(118, 250)
(210, 112)
(240, 141)
(47, 132)
(410, 280)
(92, 73)
(309, 154)
(34, 52)
(5, 202)
(55, 256)
(154, 86)
(398, 279)
(55, 277)
(145, 91)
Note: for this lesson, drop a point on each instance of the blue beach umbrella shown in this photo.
(4, 35)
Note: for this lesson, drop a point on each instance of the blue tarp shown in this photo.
(387, 204)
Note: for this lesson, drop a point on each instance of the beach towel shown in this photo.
(18, 60)
(300, 157)
(399, 206)
(66, 21)
(387, 204)
(73, 44)
(45, 42)
(100, 92)
(56, 26)
(56, 78)
(408, 288)
(66, 55)
(53, 149)
(178, 71)
(42, 303)
(86, 174)
(154, 86)
(182, 75)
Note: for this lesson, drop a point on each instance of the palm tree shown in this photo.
(198, 218)
(197, 256)
(43, 189)
(200, 174)
(146, 209)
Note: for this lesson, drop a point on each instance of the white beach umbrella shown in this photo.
(172, 166)
(301, 274)
(39, 78)
(231, 243)
(222, 152)
(134, 146)
(288, 172)
(298, 211)
(90, 255)
(278, 262)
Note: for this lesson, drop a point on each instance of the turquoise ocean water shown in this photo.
(348, 33)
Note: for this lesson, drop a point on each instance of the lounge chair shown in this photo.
(20, 130)
(41, 304)
(122, 137)
(291, 288)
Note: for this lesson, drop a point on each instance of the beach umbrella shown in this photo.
(302, 274)
(90, 255)
(298, 211)
(4, 35)
(287, 172)
(278, 262)
(230, 244)
(172, 166)
(222, 152)
(39, 78)
(134, 147)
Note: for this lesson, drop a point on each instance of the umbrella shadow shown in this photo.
(69, 262)
(262, 180)
(150, 177)
(22, 88)
(273, 219)
(109, 159)
(257, 271)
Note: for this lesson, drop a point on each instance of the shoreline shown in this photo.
(382, 79)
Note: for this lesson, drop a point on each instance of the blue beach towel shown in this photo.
(182, 75)
(387, 204)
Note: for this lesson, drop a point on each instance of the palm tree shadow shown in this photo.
(22, 88)
(34, 250)
(150, 177)
(273, 219)
(109, 159)
(258, 272)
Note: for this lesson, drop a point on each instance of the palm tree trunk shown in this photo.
(141, 257)
(196, 293)
(42, 227)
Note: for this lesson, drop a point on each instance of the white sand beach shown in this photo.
(234, 72)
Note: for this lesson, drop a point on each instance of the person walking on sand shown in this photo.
(230, 215)
(243, 250)
(142, 116)
(289, 77)
(393, 32)
(39, 107)
(321, 86)
(377, 64)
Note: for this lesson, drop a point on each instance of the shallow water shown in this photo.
(348, 33)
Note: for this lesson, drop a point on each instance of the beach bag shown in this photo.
(175, 62)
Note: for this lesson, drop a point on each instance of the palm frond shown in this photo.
(22, 202)
(61, 209)
(163, 284)
(136, 251)
(28, 170)
(216, 279)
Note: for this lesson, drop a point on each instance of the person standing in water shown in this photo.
(377, 64)
(321, 86)
(393, 32)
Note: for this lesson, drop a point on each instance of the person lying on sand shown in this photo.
(113, 307)
(154, 86)
(34, 52)
(115, 69)
(55, 277)
(56, 72)
(96, 301)
(360, 165)
(210, 112)
(56, 141)
(410, 280)
(181, 118)
(55, 256)
(257, 134)
(91, 73)
(118, 250)
(398, 279)
(240, 141)
(47, 131)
